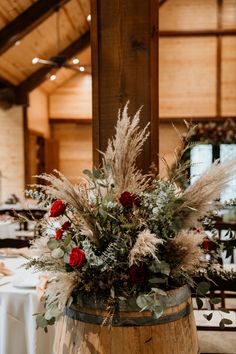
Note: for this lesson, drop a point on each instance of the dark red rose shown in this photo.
(128, 200)
(138, 274)
(57, 208)
(65, 226)
(205, 244)
(59, 233)
(77, 258)
(136, 200)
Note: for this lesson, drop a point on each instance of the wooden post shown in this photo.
(124, 39)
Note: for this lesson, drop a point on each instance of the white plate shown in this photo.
(2, 255)
(25, 284)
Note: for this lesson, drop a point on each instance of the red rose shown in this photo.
(138, 275)
(57, 208)
(59, 233)
(77, 258)
(65, 226)
(205, 244)
(128, 200)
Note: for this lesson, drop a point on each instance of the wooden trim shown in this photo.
(95, 83)
(69, 120)
(219, 59)
(154, 81)
(27, 21)
(26, 145)
(40, 75)
(194, 119)
(193, 33)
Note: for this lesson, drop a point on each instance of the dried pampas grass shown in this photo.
(144, 246)
(122, 152)
(60, 287)
(184, 251)
(201, 196)
(74, 195)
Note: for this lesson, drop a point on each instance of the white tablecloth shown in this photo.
(18, 334)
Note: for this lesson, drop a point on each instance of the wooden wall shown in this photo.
(73, 100)
(75, 147)
(37, 113)
(197, 61)
(11, 153)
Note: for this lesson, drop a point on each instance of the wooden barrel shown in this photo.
(80, 330)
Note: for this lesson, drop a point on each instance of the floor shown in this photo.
(216, 342)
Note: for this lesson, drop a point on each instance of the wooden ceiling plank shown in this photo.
(161, 2)
(27, 21)
(40, 75)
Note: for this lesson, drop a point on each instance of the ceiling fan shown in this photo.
(59, 61)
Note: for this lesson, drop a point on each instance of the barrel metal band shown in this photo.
(130, 321)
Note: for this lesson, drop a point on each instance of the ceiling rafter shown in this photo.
(27, 21)
(161, 2)
(40, 75)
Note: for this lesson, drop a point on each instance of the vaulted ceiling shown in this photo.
(28, 30)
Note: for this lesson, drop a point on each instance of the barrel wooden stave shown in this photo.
(175, 337)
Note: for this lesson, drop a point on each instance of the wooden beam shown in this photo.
(219, 60)
(198, 33)
(124, 40)
(27, 21)
(40, 75)
(161, 2)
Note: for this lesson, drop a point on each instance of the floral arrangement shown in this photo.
(215, 132)
(120, 234)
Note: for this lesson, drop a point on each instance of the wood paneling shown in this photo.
(73, 99)
(16, 65)
(229, 76)
(168, 143)
(64, 75)
(37, 112)
(10, 9)
(188, 15)
(229, 14)
(26, 22)
(75, 148)
(187, 77)
(124, 59)
(11, 153)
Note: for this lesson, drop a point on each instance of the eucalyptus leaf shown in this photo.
(41, 321)
(160, 267)
(66, 258)
(159, 291)
(208, 317)
(202, 288)
(215, 300)
(222, 309)
(96, 174)
(52, 244)
(141, 301)
(88, 173)
(225, 321)
(67, 240)
(199, 303)
(57, 253)
(157, 280)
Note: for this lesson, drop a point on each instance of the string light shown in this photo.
(53, 77)
(82, 68)
(35, 60)
(89, 18)
(75, 61)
